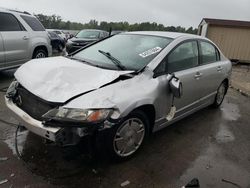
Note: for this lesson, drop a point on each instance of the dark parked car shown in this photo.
(57, 42)
(83, 38)
(115, 32)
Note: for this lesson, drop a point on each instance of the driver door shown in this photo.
(183, 62)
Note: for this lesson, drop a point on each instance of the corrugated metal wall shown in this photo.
(234, 42)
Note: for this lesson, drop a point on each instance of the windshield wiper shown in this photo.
(113, 59)
(84, 61)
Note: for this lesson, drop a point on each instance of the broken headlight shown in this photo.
(12, 90)
(78, 115)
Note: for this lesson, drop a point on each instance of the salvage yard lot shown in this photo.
(211, 145)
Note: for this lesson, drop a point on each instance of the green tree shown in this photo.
(56, 22)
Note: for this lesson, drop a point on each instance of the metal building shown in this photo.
(232, 37)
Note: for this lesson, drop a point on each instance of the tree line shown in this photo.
(56, 22)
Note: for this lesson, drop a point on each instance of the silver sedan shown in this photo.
(119, 89)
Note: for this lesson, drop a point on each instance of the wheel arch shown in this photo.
(40, 47)
(149, 111)
(226, 81)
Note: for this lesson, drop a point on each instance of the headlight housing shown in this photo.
(78, 115)
(11, 91)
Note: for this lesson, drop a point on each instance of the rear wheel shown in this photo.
(221, 91)
(40, 53)
(125, 139)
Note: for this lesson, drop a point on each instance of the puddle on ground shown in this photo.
(230, 111)
(211, 167)
(21, 139)
(224, 134)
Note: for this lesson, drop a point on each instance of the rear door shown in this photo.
(211, 70)
(183, 62)
(15, 39)
(2, 58)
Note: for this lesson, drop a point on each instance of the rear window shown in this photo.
(209, 53)
(33, 23)
(57, 32)
(9, 23)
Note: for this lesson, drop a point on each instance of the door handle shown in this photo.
(197, 75)
(25, 38)
(219, 68)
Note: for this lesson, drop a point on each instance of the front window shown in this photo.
(185, 56)
(88, 34)
(133, 51)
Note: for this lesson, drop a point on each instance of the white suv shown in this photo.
(22, 37)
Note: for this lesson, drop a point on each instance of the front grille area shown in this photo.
(31, 104)
(72, 49)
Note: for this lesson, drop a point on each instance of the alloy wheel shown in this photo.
(40, 55)
(129, 137)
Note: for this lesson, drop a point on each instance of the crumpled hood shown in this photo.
(58, 79)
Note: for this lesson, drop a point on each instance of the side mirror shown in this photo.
(176, 87)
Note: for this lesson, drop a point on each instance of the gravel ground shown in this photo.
(241, 78)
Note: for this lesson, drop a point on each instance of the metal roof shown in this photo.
(162, 34)
(11, 10)
(231, 23)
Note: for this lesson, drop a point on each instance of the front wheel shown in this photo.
(221, 92)
(126, 138)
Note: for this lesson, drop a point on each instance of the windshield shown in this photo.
(57, 32)
(132, 51)
(52, 34)
(88, 34)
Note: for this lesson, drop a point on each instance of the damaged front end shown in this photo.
(64, 126)
(77, 123)
(71, 135)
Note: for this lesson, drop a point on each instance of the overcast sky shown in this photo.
(168, 12)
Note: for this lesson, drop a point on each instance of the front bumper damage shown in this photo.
(30, 123)
(63, 136)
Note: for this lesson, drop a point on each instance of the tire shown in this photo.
(125, 139)
(221, 92)
(40, 53)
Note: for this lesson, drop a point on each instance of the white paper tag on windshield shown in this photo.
(150, 52)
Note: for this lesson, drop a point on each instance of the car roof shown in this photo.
(167, 34)
(6, 10)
